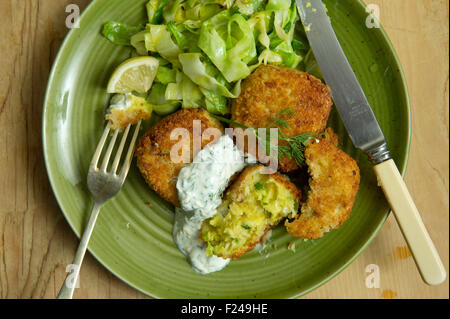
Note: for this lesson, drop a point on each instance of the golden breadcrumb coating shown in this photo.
(153, 150)
(253, 205)
(333, 185)
(272, 89)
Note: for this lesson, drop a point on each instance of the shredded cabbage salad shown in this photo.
(206, 48)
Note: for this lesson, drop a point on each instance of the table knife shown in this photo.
(366, 134)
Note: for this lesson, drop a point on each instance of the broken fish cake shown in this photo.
(254, 204)
(333, 186)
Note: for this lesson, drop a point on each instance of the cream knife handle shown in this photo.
(420, 244)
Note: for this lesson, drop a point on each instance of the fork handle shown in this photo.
(70, 283)
(422, 248)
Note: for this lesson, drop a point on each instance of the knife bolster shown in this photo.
(380, 154)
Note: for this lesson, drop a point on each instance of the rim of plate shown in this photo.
(50, 173)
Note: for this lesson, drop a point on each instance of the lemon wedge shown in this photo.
(135, 74)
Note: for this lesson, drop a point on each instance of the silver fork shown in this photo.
(103, 184)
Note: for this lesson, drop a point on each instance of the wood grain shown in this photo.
(36, 242)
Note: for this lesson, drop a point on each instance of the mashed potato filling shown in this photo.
(253, 205)
(127, 109)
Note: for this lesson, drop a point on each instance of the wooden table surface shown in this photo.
(36, 243)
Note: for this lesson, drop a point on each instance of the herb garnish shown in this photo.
(296, 145)
(259, 186)
(245, 226)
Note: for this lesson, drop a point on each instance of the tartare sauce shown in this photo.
(200, 186)
(121, 101)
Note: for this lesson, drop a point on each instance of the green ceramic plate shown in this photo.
(133, 239)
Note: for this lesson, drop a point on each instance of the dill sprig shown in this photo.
(279, 121)
(295, 145)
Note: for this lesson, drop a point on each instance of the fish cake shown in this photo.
(153, 150)
(254, 204)
(333, 186)
(270, 90)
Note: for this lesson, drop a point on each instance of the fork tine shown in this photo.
(119, 151)
(99, 149)
(109, 151)
(127, 162)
